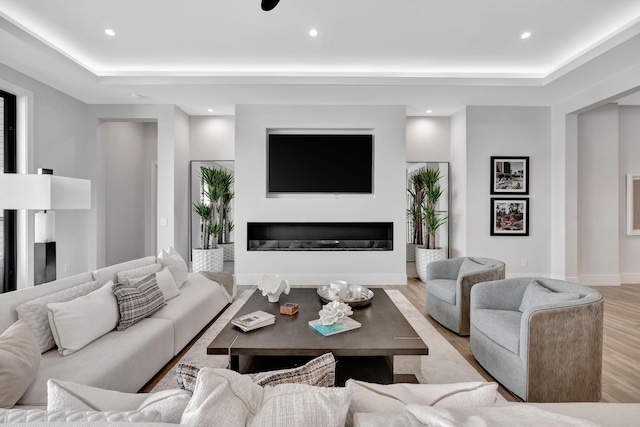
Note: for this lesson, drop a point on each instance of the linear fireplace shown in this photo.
(320, 236)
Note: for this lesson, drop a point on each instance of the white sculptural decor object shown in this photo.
(334, 313)
(272, 287)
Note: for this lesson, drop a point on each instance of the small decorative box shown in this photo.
(289, 308)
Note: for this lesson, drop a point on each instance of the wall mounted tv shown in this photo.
(320, 163)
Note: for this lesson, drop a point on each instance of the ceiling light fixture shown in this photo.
(110, 32)
(210, 110)
(429, 111)
(135, 95)
(525, 35)
(267, 5)
(313, 32)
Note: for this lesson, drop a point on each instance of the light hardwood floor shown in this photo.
(620, 354)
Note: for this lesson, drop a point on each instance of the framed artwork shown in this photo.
(509, 217)
(510, 175)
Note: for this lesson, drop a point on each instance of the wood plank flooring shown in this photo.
(621, 352)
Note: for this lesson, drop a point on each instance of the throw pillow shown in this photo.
(166, 283)
(176, 264)
(186, 375)
(124, 275)
(34, 313)
(76, 323)
(223, 398)
(370, 397)
(536, 294)
(281, 405)
(19, 362)
(469, 265)
(136, 302)
(319, 372)
(67, 396)
(11, 416)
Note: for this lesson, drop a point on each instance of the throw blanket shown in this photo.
(225, 279)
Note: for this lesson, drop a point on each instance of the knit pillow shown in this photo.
(135, 302)
(536, 294)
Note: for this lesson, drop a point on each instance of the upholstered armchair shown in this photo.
(449, 285)
(540, 338)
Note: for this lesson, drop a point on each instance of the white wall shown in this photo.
(150, 188)
(629, 134)
(212, 137)
(428, 139)
(182, 210)
(54, 133)
(598, 197)
(387, 204)
(125, 190)
(508, 131)
(458, 167)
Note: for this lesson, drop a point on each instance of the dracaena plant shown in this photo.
(215, 182)
(433, 217)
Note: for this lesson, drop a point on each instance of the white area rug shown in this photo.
(443, 364)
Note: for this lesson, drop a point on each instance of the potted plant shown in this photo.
(415, 212)
(209, 257)
(224, 238)
(433, 220)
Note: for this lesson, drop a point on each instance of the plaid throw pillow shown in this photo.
(137, 301)
(186, 376)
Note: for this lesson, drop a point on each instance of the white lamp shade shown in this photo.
(43, 192)
(45, 227)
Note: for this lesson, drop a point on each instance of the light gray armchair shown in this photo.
(449, 285)
(541, 338)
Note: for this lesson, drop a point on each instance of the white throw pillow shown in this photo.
(34, 313)
(370, 397)
(76, 323)
(28, 416)
(323, 406)
(137, 273)
(19, 362)
(68, 396)
(176, 264)
(166, 283)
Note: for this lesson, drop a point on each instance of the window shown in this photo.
(8, 163)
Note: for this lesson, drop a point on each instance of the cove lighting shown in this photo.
(525, 35)
(313, 32)
(110, 32)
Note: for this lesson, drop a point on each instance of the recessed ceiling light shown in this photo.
(210, 110)
(313, 32)
(429, 111)
(525, 35)
(110, 32)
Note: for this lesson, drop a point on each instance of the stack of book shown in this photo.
(254, 320)
(347, 324)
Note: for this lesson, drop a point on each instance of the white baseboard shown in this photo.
(324, 279)
(411, 270)
(630, 278)
(599, 279)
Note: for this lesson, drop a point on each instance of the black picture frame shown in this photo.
(510, 216)
(509, 175)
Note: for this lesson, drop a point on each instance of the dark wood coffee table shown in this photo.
(365, 353)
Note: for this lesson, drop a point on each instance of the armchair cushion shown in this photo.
(502, 326)
(469, 265)
(443, 289)
(536, 294)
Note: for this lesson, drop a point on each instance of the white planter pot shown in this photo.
(207, 259)
(425, 256)
(228, 250)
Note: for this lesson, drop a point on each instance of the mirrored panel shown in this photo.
(633, 204)
(427, 204)
(225, 237)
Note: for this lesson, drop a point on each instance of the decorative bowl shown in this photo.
(365, 297)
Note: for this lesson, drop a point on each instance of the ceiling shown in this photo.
(423, 54)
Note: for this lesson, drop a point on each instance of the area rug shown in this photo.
(443, 364)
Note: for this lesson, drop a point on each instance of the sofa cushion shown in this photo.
(536, 294)
(76, 323)
(137, 301)
(502, 326)
(443, 289)
(122, 361)
(34, 313)
(469, 265)
(19, 362)
(11, 416)
(68, 396)
(178, 267)
(136, 273)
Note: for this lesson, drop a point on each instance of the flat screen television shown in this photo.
(320, 163)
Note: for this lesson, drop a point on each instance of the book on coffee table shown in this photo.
(254, 320)
(348, 324)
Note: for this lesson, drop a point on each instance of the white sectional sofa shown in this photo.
(121, 360)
